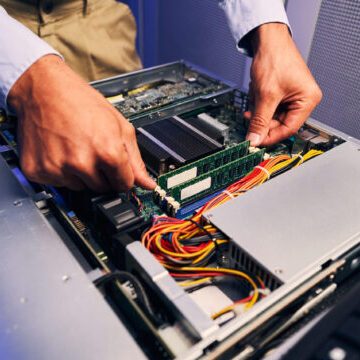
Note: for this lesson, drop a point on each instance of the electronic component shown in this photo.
(280, 246)
(212, 181)
(189, 209)
(211, 126)
(309, 138)
(139, 260)
(202, 166)
(172, 142)
(167, 92)
(214, 125)
(117, 214)
(137, 95)
(176, 282)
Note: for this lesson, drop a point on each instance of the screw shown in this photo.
(278, 271)
(23, 300)
(17, 203)
(355, 263)
(65, 278)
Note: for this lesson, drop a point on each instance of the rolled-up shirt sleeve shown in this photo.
(246, 15)
(19, 49)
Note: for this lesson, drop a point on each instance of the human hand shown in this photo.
(69, 135)
(283, 93)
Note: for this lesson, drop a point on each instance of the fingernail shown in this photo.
(254, 139)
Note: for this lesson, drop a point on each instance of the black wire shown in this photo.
(179, 262)
(286, 168)
(124, 276)
(200, 239)
(211, 237)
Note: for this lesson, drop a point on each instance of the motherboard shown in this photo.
(163, 260)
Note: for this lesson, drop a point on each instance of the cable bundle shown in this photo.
(186, 247)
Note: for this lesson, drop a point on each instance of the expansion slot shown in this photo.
(212, 181)
(191, 171)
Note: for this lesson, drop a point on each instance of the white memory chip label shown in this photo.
(182, 177)
(195, 188)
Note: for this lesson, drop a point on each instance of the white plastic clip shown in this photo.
(264, 170)
(229, 194)
(300, 156)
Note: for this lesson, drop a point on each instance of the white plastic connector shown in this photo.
(240, 309)
(172, 205)
(253, 149)
(264, 292)
(175, 207)
(162, 193)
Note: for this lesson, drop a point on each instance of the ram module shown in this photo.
(207, 164)
(212, 181)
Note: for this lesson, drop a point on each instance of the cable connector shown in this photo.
(172, 205)
(253, 149)
(159, 193)
(264, 292)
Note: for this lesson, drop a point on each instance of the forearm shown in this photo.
(244, 16)
(19, 49)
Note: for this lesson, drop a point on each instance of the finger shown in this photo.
(141, 176)
(119, 172)
(95, 181)
(260, 120)
(273, 122)
(73, 183)
(293, 120)
(89, 175)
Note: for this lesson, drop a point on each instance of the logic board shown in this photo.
(180, 263)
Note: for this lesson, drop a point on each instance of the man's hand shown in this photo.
(283, 93)
(69, 135)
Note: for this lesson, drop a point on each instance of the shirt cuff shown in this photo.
(20, 48)
(246, 15)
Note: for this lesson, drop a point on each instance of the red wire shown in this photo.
(202, 274)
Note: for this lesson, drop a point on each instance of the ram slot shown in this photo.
(203, 166)
(212, 181)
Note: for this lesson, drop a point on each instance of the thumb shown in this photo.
(264, 111)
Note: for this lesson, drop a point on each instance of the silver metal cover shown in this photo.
(299, 220)
(49, 307)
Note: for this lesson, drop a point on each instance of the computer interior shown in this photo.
(233, 242)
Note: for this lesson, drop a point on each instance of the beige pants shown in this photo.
(96, 37)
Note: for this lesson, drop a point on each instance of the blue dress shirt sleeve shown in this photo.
(19, 49)
(245, 15)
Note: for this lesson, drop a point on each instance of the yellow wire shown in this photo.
(194, 282)
(203, 256)
(179, 255)
(186, 230)
(224, 271)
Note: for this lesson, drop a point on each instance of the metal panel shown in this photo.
(192, 316)
(49, 307)
(303, 16)
(334, 61)
(296, 222)
(197, 30)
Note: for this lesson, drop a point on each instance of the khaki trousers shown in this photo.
(96, 37)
